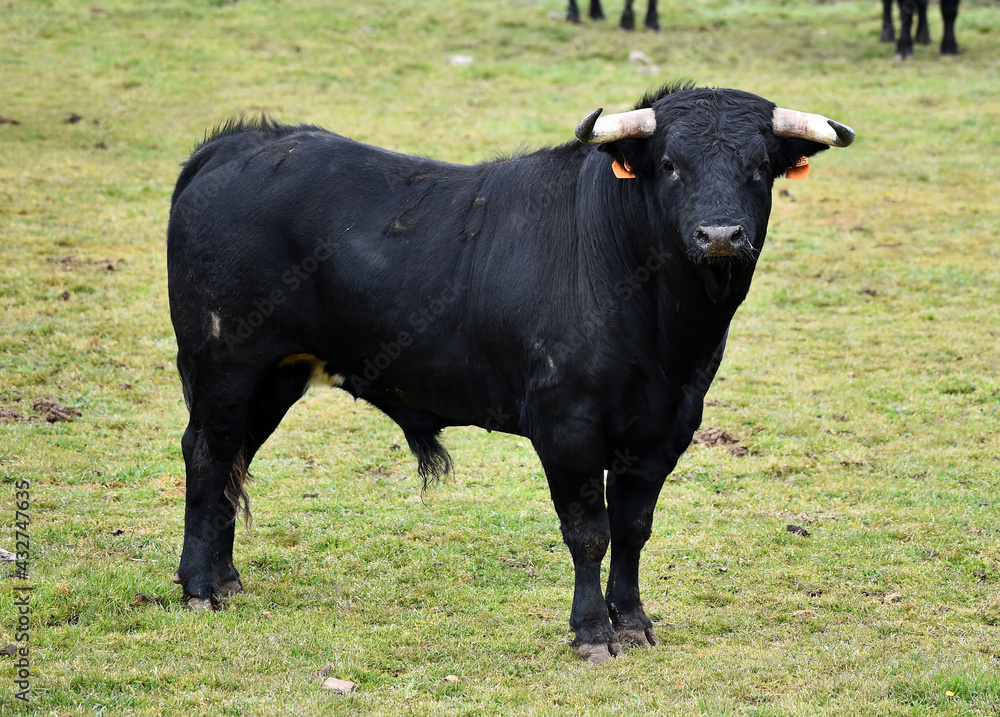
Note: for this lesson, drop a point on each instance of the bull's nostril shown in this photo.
(720, 240)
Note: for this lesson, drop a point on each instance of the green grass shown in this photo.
(862, 375)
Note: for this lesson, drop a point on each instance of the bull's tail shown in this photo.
(236, 491)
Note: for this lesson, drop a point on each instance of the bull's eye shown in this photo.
(668, 167)
(762, 170)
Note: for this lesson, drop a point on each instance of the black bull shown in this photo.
(540, 295)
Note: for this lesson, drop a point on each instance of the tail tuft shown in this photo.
(236, 491)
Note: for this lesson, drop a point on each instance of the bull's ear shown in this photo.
(626, 158)
(789, 153)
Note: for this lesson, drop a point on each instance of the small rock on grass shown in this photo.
(339, 687)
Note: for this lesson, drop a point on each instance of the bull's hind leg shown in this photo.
(212, 445)
(229, 422)
(631, 502)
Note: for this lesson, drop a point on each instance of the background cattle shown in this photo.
(652, 21)
(907, 9)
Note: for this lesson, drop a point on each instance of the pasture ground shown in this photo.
(862, 378)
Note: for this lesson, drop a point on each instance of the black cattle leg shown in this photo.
(229, 422)
(572, 461)
(888, 33)
(949, 13)
(586, 532)
(904, 46)
(923, 35)
(212, 446)
(628, 17)
(631, 502)
(573, 12)
(652, 17)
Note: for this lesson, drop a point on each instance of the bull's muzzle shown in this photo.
(720, 242)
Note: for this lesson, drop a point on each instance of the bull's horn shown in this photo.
(637, 124)
(817, 128)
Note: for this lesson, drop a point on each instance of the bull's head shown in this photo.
(705, 161)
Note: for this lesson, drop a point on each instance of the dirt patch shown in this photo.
(55, 412)
(719, 437)
(713, 437)
(9, 415)
(72, 262)
(108, 265)
(64, 263)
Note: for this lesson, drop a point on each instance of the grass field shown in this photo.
(862, 376)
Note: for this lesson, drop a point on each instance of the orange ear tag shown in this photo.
(622, 171)
(800, 170)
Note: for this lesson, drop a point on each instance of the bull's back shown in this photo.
(303, 211)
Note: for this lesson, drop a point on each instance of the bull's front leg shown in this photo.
(631, 502)
(587, 533)
(576, 482)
